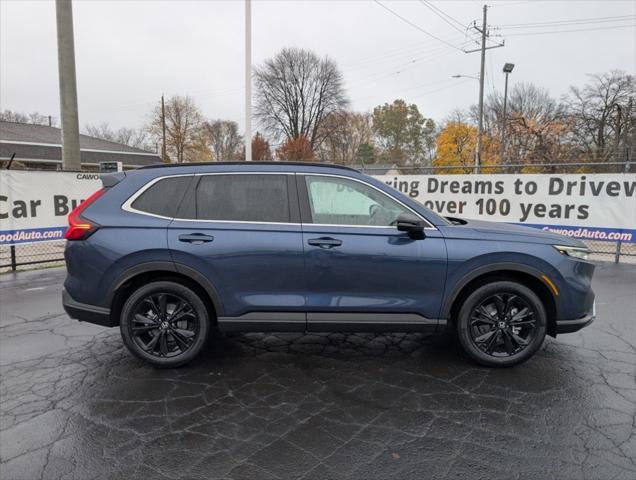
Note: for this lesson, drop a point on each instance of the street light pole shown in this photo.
(507, 70)
(248, 80)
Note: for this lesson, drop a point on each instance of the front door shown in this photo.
(361, 272)
(242, 232)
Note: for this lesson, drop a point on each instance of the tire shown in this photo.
(501, 324)
(165, 324)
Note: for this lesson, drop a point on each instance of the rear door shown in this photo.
(362, 273)
(242, 231)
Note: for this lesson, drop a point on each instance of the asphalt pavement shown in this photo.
(74, 404)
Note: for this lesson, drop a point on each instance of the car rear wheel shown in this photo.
(165, 324)
(501, 324)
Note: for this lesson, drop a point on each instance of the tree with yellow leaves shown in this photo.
(456, 148)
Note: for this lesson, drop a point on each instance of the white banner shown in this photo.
(34, 205)
(586, 206)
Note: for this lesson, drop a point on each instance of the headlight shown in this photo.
(581, 253)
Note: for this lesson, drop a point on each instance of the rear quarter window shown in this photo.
(163, 197)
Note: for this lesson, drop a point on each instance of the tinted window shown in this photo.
(338, 201)
(246, 198)
(163, 198)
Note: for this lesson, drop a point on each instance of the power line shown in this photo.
(619, 18)
(417, 26)
(440, 13)
(450, 17)
(400, 92)
(401, 68)
(453, 85)
(568, 31)
(398, 55)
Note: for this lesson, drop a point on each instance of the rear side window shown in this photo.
(163, 197)
(245, 198)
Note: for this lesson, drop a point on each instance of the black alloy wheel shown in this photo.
(164, 323)
(501, 324)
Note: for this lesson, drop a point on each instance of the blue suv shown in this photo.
(172, 253)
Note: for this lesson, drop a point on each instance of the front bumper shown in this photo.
(570, 326)
(86, 313)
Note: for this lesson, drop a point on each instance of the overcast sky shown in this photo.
(130, 52)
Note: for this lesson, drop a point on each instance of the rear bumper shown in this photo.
(86, 313)
(570, 326)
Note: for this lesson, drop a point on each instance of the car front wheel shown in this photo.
(165, 324)
(501, 324)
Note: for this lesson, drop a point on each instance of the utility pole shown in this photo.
(482, 76)
(71, 159)
(164, 157)
(248, 80)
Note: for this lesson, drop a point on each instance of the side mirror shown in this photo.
(411, 224)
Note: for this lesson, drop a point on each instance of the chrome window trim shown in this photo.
(127, 205)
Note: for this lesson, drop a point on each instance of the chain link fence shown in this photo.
(32, 255)
(48, 254)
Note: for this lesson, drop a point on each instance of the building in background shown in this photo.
(39, 147)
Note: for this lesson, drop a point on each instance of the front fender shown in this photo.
(461, 274)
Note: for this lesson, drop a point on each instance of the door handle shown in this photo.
(324, 242)
(196, 238)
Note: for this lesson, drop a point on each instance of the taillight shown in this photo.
(80, 228)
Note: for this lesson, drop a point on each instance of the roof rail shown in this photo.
(195, 164)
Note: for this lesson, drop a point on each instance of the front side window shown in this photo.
(244, 198)
(339, 201)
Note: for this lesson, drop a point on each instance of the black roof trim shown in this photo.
(299, 164)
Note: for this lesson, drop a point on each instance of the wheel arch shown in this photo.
(146, 272)
(528, 276)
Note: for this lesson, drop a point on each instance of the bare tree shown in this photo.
(295, 91)
(601, 113)
(183, 127)
(136, 138)
(537, 127)
(102, 131)
(35, 118)
(133, 137)
(344, 133)
(223, 139)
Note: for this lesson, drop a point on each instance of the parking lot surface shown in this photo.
(76, 405)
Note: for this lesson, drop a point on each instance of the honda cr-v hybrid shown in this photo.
(171, 253)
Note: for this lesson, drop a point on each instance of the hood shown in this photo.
(482, 229)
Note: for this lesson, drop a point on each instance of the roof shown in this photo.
(243, 163)
(41, 143)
